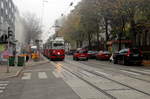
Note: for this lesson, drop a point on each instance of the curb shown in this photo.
(17, 74)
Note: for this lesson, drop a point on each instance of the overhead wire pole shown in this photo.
(42, 10)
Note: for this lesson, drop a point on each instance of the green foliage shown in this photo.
(91, 17)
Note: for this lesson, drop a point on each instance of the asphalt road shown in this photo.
(78, 80)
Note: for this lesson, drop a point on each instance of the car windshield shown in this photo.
(82, 51)
(58, 44)
(92, 52)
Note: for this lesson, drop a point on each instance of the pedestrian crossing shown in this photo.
(3, 85)
(31, 75)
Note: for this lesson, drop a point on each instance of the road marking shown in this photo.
(105, 74)
(130, 72)
(1, 91)
(3, 84)
(56, 74)
(42, 75)
(26, 76)
(2, 88)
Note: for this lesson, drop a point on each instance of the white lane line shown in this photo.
(3, 84)
(105, 74)
(130, 72)
(42, 75)
(2, 88)
(26, 76)
(1, 91)
(56, 74)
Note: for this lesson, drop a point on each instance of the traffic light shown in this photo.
(9, 32)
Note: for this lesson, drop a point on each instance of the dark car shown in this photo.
(92, 54)
(128, 56)
(103, 55)
(80, 55)
(71, 52)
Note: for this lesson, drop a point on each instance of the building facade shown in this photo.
(7, 19)
(7, 29)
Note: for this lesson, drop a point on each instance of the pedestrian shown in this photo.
(27, 58)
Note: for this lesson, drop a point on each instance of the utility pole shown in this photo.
(8, 48)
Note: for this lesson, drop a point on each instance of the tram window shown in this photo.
(58, 44)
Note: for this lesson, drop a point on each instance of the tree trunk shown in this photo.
(133, 30)
(80, 43)
(106, 31)
(89, 39)
(97, 41)
(122, 32)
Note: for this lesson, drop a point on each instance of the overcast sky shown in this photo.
(51, 11)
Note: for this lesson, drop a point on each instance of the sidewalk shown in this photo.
(13, 71)
(34, 63)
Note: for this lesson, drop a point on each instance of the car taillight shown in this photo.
(141, 54)
(129, 52)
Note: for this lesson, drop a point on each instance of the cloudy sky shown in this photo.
(49, 13)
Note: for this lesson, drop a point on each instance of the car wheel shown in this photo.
(87, 59)
(115, 61)
(76, 59)
(125, 62)
(139, 64)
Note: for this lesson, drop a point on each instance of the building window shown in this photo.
(9, 4)
(6, 12)
(2, 4)
(1, 19)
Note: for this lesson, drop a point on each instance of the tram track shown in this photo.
(103, 76)
(89, 83)
(105, 67)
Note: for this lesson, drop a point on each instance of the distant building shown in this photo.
(7, 27)
(7, 19)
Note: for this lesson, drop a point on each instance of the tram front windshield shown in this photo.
(58, 46)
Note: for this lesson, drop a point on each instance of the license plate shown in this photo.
(136, 55)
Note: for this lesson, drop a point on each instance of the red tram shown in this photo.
(55, 49)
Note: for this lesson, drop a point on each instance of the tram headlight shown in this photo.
(58, 53)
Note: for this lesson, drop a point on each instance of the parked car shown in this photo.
(103, 55)
(80, 55)
(92, 54)
(128, 56)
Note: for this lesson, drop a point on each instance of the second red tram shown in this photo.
(55, 49)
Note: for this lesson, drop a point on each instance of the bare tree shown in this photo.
(33, 27)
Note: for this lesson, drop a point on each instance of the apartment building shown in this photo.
(7, 20)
